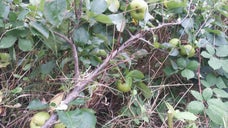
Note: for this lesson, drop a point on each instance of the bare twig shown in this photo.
(75, 55)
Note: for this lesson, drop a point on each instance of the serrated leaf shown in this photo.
(80, 118)
(25, 44)
(98, 6)
(220, 83)
(197, 95)
(217, 111)
(206, 54)
(135, 74)
(37, 105)
(222, 51)
(211, 79)
(215, 63)
(220, 93)
(185, 116)
(207, 93)
(224, 64)
(40, 28)
(7, 41)
(54, 11)
(187, 73)
(195, 107)
(210, 49)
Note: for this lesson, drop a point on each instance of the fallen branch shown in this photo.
(80, 85)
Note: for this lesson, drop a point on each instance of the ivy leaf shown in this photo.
(80, 118)
(214, 63)
(54, 11)
(187, 73)
(7, 41)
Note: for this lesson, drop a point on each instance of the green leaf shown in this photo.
(215, 63)
(185, 116)
(145, 90)
(40, 28)
(217, 111)
(103, 19)
(23, 14)
(54, 11)
(195, 107)
(25, 44)
(188, 23)
(207, 93)
(206, 54)
(182, 62)
(193, 65)
(169, 71)
(197, 95)
(98, 6)
(81, 35)
(4, 60)
(37, 105)
(210, 49)
(4, 10)
(47, 67)
(222, 51)
(220, 83)
(135, 74)
(79, 118)
(187, 73)
(113, 5)
(224, 64)
(7, 41)
(220, 93)
(119, 20)
(211, 79)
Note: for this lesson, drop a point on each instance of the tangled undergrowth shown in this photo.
(71, 57)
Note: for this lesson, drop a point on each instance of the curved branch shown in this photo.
(75, 55)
